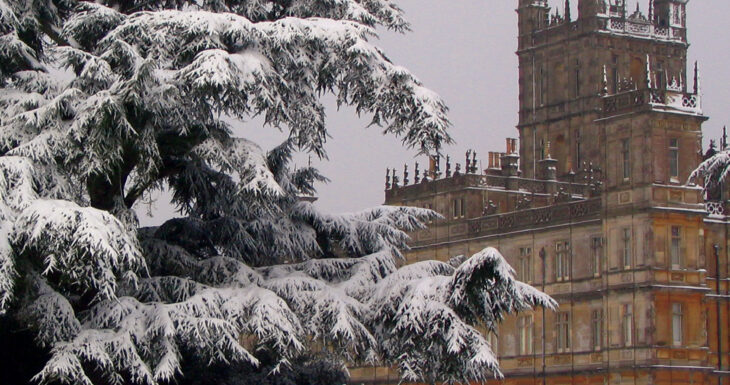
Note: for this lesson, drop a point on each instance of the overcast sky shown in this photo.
(465, 51)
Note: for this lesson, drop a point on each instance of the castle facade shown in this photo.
(592, 205)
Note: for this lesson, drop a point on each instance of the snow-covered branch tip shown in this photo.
(713, 170)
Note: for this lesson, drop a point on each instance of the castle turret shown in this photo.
(670, 13)
(591, 8)
(533, 16)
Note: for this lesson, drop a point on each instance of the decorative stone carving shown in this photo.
(489, 209)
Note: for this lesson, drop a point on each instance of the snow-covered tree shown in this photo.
(249, 271)
(713, 171)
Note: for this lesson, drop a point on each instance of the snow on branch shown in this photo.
(85, 249)
(49, 313)
(276, 68)
(241, 156)
(484, 286)
(8, 271)
(435, 305)
(713, 170)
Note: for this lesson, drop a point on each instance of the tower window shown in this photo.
(659, 84)
(677, 327)
(676, 248)
(562, 261)
(578, 155)
(562, 332)
(525, 326)
(597, 329)
(626, 252)
(677, 14)
(614, 73)
(459, 208)
(543, 86)
(542, 149)
(626, 159)
(627, 325)
(674, 159)
(525, 272)
(577, 78)
(597, 251)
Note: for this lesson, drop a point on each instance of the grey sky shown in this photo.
(464, 50)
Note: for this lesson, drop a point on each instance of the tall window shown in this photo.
(542, 149)
(562, 261)
(577, 78)
(626, 249)
(597, 329)
(677, 318)
(459, 209)
(659, 84)
(626, 158)
(543, 86)
(562, 332)
(627, 325)
(674, 160)
(677, 14)
(525, 270)
(675, 249)
(614, 73)
(597, 255)
(578, 150)
(525, 329)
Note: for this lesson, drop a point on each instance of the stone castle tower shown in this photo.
(568, 67)
(594, 207)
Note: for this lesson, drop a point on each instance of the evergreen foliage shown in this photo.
(250, 277)
(712, 172)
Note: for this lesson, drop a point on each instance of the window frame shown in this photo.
(677, 324)
(673, 153)
(675, 248)
(627, 246)
(458, 208)
(626, 159)
(525, 263)
(597, 329)
(562, 261)
(562, 332)
(596, 256)
(627, 325)
(526, 341)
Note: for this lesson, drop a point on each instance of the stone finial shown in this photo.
(547, 150)
(405, 175)
(651, 11)
(458, 169)
(604, 82)
(416, 174)
(648, 72)
(448, 166)
(425, 176)
(437, 169)
(698, 80)
(724, 138)
(396, 180)
(474, 168)
(467, 162)
(387, 179)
